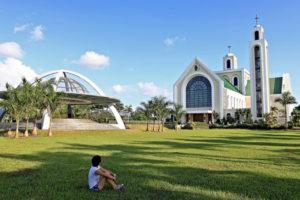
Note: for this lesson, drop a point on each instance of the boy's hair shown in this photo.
(96, 160)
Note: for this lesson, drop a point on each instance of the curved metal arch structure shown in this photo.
(61, 74)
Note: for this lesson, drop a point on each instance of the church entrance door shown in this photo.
(200, 117)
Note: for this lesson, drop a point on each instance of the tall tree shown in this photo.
(296, 116)
(162, 108)
(178, 112)
(37, 104)
(51, 101)
(145, 108)
(26, 90)
(13, 105)
(153, 110)
(285, 100)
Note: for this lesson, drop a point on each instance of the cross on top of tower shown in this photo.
(256, 19)
(229, 48)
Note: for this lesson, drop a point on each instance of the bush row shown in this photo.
(261, 126)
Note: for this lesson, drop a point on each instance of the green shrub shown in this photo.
(195, 125)
(188, 126)
(290, 125)
(258, 126)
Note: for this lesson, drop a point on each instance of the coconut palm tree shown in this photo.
(51, 101)
(37, 104)
(285, 100)
(26, 90)
(12, 103)
(153, 112)
(145, 108)
(162, 108)
(178, 112)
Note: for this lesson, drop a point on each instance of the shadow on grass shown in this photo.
(63, 174)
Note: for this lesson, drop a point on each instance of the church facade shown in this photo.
(202, 91)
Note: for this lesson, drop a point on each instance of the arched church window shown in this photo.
(256, 35)
(258, 81)
(198, 93)
(228, 64)
(235, 81)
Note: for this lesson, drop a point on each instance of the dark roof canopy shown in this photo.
(77, 99)
(80, 99)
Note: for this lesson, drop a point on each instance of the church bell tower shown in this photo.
(229, 60)
(260, 94)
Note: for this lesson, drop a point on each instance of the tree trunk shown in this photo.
(17, 128)
(285, 116)
(9, 133)
(34, 130)
(26, 128)
(162, 125)
(147, 129)
(153, 125)
(50, 128)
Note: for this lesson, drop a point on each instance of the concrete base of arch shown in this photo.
(119, 125)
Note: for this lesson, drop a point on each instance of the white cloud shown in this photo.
(11, 49)
(170, 41)
(151, 89)
(12, 70)
(21, 28)
(37, 33)
(148, 88)
(119, 89)
(93, 60)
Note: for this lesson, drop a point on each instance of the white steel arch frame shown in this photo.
(60, 73)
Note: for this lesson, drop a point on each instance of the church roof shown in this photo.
(229, 85)
(275, 86)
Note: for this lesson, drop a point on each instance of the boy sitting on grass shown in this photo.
(98, 176)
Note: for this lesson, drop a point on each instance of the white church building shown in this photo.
(202, 91)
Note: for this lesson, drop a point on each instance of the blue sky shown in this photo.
(142, 47)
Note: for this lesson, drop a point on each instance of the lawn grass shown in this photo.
(200, 164)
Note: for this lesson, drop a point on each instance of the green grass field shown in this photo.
(202, 164)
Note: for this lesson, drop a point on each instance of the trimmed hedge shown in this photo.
(247, 126)
(195, 125)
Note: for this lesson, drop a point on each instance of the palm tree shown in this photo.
(239, 115)
(145, 108)
(37, 104)
(162, 108)
(296, 116)
(285, 100)
(12, 103)
(26, 94)
(216, 115)
(51, 101)
(246, 115)
(153, 112)
(178, 112)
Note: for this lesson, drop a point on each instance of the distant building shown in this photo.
(201, 91)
